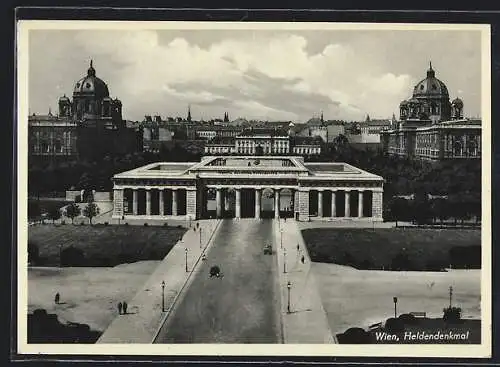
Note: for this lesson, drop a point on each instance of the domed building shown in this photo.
(432, 127)
(89, 126)
(430, 100)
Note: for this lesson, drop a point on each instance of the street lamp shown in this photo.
(186, 251)
(395, 300)
(60, 251)
(284, 260)
(451, 293)
(163, 296)
(199, 230)
(288, 286)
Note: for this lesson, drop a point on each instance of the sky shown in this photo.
(255, 74)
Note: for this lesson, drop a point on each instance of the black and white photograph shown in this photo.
(219, 188)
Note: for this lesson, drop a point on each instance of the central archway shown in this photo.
(267, 203)
(247, 203)
(286, 203)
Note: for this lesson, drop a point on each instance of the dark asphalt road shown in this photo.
(243, 306)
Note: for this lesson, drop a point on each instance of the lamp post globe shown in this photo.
(163, 296)
(289, 287)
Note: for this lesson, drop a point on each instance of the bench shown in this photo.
(418, 314)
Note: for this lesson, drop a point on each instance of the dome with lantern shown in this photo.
(91, 85)
(430, 86)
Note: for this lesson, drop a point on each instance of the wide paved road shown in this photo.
(243, 306)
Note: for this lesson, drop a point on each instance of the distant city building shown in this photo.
(89, 126)
(432, 127)
(264, 141)
(326, 130)
(367, 132)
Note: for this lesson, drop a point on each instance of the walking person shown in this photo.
(124, 307)
(120, 308)
(302, 259)
(57, 298)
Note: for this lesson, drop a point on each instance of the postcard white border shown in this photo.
(473, 351)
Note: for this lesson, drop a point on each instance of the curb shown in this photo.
(174, 302)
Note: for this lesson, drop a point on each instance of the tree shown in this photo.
(399, 208)
(440, 209)
(54, 214)
(33, 253)
(72, 211)
(90, 211)
(34, 210)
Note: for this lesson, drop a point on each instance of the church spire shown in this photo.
(189, 113)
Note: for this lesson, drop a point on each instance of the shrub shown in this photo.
(165, 224)
(106, 223)
(452, 314)
(407, 319)
(354, 335)
(82, 224)
(126, 224)
(401, 262)
(145, 224)
(465, 257)
(179, 226)
(394, 325)
(63, 222)
(72, 256)
(33, 253)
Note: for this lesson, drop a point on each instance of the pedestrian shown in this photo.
(120, 308)
(57, 298)
(298, 247)
(303, 259)
(124, 307)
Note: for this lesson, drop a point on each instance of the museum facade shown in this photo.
(248, 187)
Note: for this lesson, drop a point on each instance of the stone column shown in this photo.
(257, 203)
(360, 203)
(191, 203)
(225, 200)
(303, 203)
(347, 204)
(174, 201)
(134, 202)
(238, 203)
(320, 203)
(334, 211)
(276, 203)
(161, 203)
(148, 201)
(218, 201)
(377, 200)
(118, 203)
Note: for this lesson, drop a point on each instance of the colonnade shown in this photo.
(191, 202)
(347, 203)
(219, 194)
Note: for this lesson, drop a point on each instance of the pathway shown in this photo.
(145, 314)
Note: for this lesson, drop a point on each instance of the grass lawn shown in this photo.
(365, 248)
(88, 295)
(104, 245)
(360, 298)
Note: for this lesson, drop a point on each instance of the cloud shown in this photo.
(254, 74)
